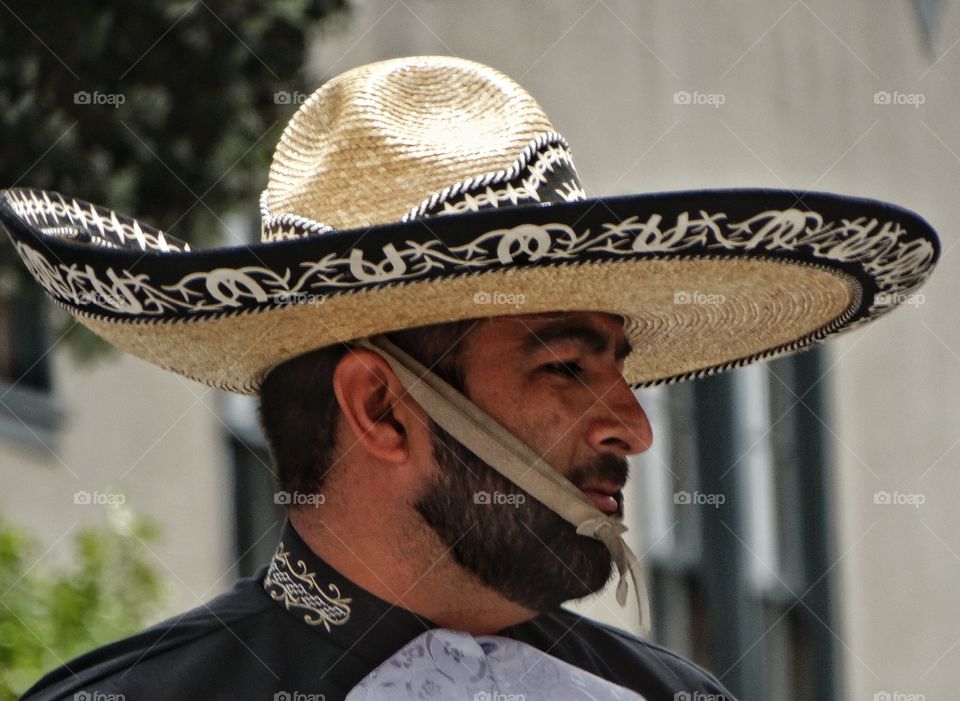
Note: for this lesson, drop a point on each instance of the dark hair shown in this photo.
(299, 411)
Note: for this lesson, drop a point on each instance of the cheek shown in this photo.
(421, 455)
(547, 420)
(542, 413)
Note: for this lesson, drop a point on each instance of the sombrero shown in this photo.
(426, 190)
(423, 190)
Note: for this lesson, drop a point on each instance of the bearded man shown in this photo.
(455, 476)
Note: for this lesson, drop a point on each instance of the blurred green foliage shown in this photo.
(48, 617)
(165, 111)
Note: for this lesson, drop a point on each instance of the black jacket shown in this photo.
(300, 627)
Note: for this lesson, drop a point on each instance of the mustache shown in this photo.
(606, 467)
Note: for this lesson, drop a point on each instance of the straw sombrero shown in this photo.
(423, 190)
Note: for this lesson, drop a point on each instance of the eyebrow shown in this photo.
(587, 336)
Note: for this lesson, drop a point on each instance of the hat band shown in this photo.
(543, 174)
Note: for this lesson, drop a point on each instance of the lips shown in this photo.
(606, 496)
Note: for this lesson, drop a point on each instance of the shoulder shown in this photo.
(197, 637)
(623, 658)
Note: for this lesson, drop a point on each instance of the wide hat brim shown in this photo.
(706, 280)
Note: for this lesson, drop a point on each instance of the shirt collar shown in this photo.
(332, 605)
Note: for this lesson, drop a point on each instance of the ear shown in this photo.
(374, 405)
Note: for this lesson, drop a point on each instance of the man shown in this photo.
(455, 476)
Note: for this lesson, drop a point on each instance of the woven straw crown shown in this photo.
(372, 143)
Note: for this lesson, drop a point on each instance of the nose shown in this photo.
(620, 423)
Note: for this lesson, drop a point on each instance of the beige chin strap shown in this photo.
(516, 461)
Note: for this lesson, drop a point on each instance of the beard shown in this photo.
(512, 543)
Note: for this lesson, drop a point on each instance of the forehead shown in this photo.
(527, 333)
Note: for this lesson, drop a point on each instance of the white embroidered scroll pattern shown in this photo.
(294, 587)
(898, 261)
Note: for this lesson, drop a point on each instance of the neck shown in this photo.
(402, 561)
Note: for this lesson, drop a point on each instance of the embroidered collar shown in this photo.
(325, 600)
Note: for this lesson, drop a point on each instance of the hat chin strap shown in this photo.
(515, 460)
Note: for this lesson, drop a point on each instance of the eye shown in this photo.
(570, 369)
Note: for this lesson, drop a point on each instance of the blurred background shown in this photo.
(798, 519)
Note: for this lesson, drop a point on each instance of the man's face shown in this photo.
(556, 382)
